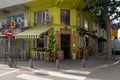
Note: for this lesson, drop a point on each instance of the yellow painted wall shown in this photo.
(73, 16)
(55, 13)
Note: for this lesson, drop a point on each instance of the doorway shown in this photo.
(65, 45)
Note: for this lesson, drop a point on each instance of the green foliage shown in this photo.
(102, 22)
(102, 8)
(94, 6)
(51, 41)
(119, 25)
(106, 11)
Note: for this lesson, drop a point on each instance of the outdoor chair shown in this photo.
(53, 56)
(47, 56)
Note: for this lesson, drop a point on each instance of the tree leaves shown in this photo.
(98, 7)
(104, 9)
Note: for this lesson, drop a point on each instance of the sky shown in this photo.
(117, 21)
(7, 3)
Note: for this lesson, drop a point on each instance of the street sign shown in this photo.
(9, 33)
(114, 26)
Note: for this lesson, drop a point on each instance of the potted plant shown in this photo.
(51, 43)
(60, 53)
(74, 54)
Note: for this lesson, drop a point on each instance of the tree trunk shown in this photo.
(109, 50)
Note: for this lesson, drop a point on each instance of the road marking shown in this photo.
(10, 68)
(77, 71)
(115, 63)
(102, 66)
(62, 75)
(9, 72)
(31, 77)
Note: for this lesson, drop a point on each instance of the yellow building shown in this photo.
(71, 26)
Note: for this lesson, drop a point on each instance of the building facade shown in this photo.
(16, 19)
(72, 28)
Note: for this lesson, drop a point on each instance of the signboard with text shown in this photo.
(14, 22)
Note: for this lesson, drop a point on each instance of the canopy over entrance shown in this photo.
(31, 33)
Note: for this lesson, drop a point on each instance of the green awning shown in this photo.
(31, 33)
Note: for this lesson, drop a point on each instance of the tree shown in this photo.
(106, 11)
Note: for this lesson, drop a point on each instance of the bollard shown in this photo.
(57, 63)
(31, 63)
(10, 62)
(83, 63)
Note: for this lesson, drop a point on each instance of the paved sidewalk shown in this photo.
(91, 63)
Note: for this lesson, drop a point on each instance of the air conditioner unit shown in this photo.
(24, 23)
(45, 17)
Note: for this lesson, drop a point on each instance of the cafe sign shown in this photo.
(14, 22)
(65, 31)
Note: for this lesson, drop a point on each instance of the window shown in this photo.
(42, 41)
(41, 17)
(65, 16)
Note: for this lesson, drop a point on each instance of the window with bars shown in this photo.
(41, 17)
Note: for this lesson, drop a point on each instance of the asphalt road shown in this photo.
(42, 74)
(106, 73)
(103, 73)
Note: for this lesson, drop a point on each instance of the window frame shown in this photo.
(40, 21)
(63, 22)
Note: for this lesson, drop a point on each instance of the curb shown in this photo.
(25, 68)
(60, 67)
(115, 63)
(106, 65)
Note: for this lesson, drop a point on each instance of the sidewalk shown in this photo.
(91, 63)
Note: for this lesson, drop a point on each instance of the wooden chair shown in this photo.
(53, 56)
(81, 53)
(47, 56)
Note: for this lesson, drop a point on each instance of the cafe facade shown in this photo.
(65, 21)
(72, 29)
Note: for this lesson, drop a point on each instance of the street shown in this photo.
(69, 70)
(106, 73)
(42, 74)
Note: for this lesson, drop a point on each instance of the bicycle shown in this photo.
(10, 60)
